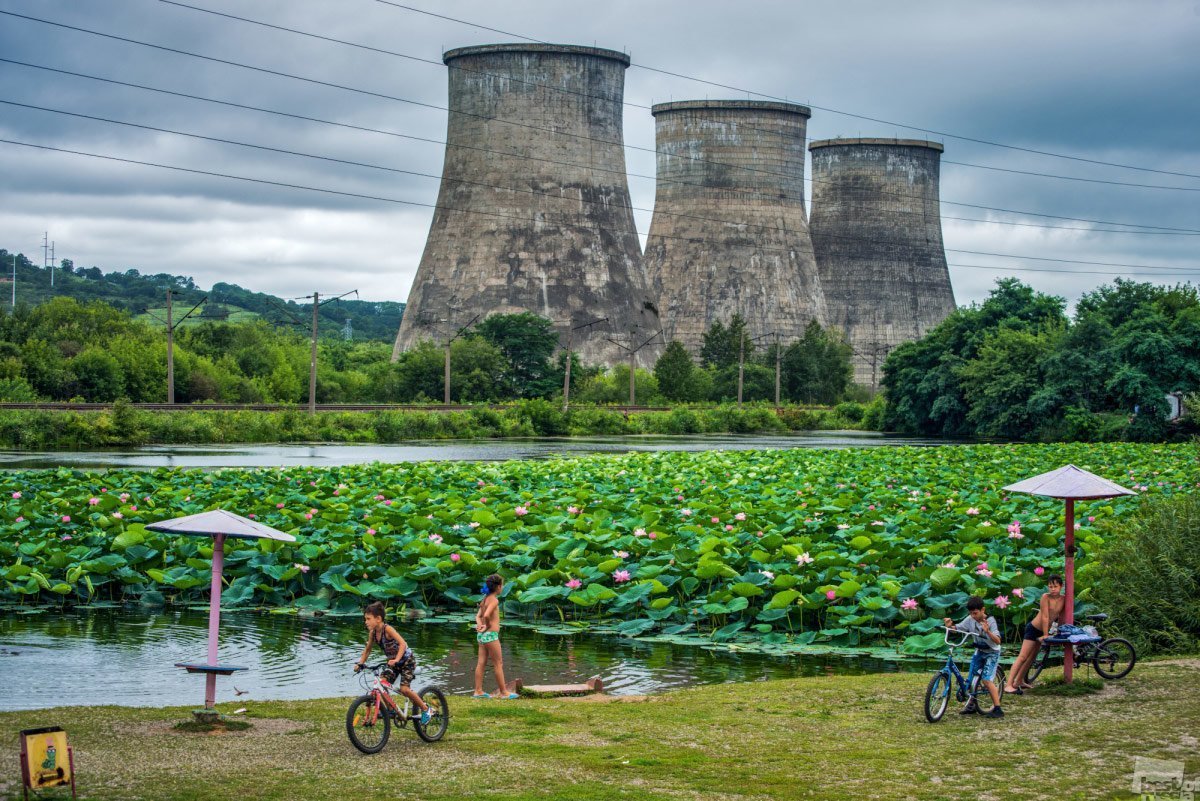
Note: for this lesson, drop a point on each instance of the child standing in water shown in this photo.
(401, 661)
(487, 633)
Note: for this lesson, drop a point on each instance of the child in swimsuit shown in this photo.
(401, 661)
(487, 634)
(1050, 611)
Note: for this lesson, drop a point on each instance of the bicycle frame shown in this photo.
(381, 691)
(963, 687)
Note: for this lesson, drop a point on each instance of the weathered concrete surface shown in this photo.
(729, 233)
(877, 231)
(546, 226)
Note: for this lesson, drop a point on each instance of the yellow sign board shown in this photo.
(46, 759)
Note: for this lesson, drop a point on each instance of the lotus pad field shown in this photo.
(773, 548)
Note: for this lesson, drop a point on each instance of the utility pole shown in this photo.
(567, 371)
(14, 262)
(778, 363)
(632, 363)
(46, 255)
(52, 265)
(312, 359)
(172, 324)
(446, 373)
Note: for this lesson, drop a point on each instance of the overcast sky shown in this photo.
(1107, 81)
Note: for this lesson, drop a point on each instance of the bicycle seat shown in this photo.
(1097, 618)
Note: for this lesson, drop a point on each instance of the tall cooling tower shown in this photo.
(533, 211)
(729, 233)
(877, 230)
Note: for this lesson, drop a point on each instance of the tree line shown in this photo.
(1017, 366)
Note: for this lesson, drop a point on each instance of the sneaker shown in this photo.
(426, 716)
(969, 709)
(996, 712)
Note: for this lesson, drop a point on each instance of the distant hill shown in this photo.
(144, 296)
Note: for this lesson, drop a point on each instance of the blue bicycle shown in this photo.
(937, 696)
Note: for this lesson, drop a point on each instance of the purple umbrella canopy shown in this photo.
(218, 524)
(1069, 484)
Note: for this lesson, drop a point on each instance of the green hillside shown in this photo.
(144, 296)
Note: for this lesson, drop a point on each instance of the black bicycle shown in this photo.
(1110, 657)
(370, 716)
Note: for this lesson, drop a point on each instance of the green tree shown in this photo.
(721, 343)
(96, 376)
(674, 371)
(816, 368)
(1000, 381)
(527, 342)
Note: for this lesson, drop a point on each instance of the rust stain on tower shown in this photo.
(877, 231)
(534, 211)
(729, 233)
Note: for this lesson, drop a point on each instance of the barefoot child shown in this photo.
(487, 633)
(402, 662)
(987, 651)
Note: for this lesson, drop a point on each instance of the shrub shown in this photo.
(1148, 576)
(799, 419)
(850, 412)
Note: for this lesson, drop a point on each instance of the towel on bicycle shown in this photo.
(1067, 632)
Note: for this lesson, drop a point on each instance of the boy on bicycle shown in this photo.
(987, 652)
(401, 661)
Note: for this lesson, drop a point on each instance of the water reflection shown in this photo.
(127, 656)
(445, 450)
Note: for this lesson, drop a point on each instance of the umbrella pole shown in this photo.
(214, 619)
(1069, 578)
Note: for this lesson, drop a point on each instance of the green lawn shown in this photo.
(847, 737)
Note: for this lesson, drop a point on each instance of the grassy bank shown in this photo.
(126, 426)
(837, 737)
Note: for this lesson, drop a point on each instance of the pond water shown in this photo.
(126, 656)
(436, 450)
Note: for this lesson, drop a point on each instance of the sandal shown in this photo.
(1017, 691)
(511, 697)
(478, 695)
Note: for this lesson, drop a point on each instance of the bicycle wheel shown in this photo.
(983, 698)
(367, 731)
(439, 720)
(937, 697)
(1038, 663)
(1114, 658)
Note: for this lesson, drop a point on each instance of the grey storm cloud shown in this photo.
(1107, 81)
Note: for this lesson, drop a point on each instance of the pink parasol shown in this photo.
(1071, 484)
(218, 524)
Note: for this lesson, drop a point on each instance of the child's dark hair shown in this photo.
(493, 582)
(1054, 578)
(376, 609)
(974, 602)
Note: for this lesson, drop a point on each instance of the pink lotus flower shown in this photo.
(574, 584)
(379, 497)
(93, 501)
(986, 524)
(728, 527)
(371, 532)
(621, 554)
(620, 576)
(878, 523)
(436, 539)
(983, 571)
(120, 516)
(1091, 519)
(910, 603)
(454, 557)
(1002, 601)
(972, 511)
(1078, 526)
(716, 520)
(871, 508)
(520, 511)
(1037, 571)
(804, 559)
(124, 496)
(66, 518)
(1014, 528)
(387, 502)
(20, 519)
(685, 512)
(473, 524)
(133, 508)
(830, 594)
(301, 568)
(279, 506)
(843, 526)
(653, 535)
(922, 508)
(1019, 592)
(483, 500)
(16, 496)
(758, 533)
(740, 516)
(67, 537)
(573, 510)
(312, 511)
(639, 532)
(770, 576)
(308, 515)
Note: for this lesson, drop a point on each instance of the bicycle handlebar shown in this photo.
(963, 639)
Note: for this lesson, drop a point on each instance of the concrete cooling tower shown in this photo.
(729, 233)
(877, 230)
(533, 211)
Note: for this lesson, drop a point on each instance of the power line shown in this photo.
(1158, 230)
(569, 200)
(549, 88)
(740, 90)
(363, 196)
